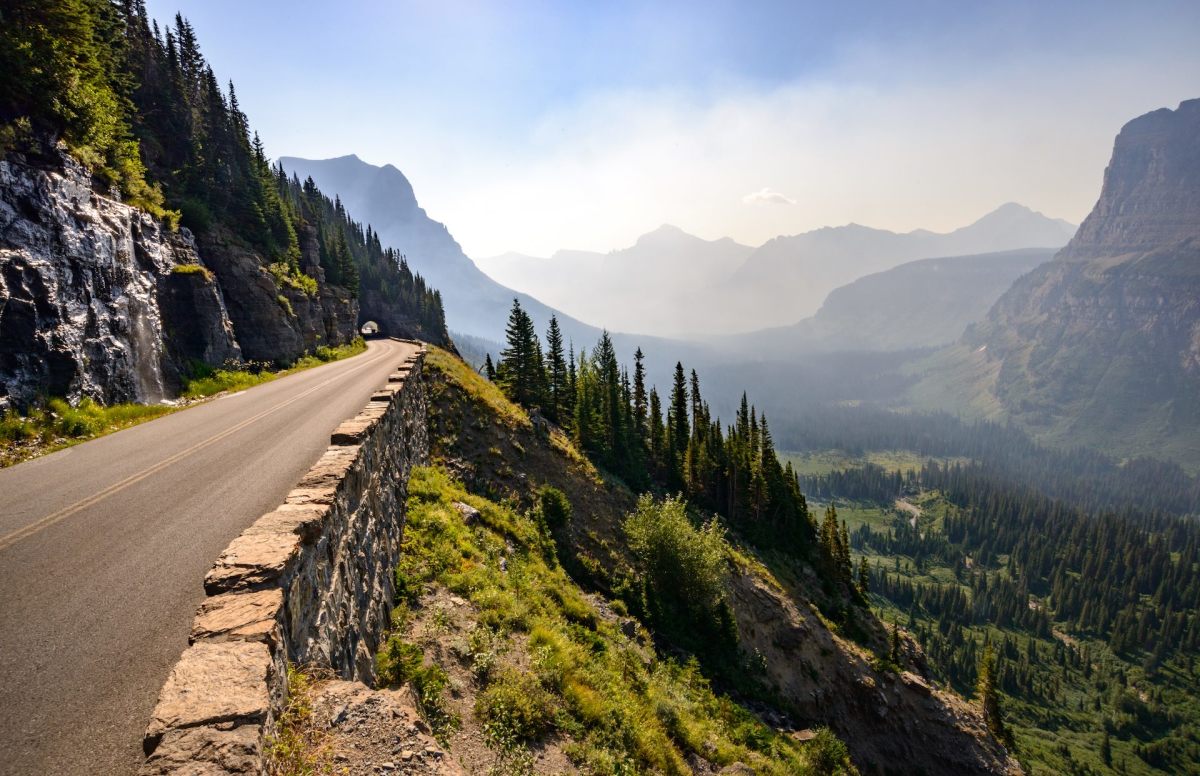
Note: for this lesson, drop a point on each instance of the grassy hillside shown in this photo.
(520, 670)
(574, 617)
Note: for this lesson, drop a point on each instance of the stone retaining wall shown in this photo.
(310, 583)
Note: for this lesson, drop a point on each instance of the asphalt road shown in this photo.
(104, 547)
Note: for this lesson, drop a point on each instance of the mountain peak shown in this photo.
(1040, 229)
(1151, 193)
(667, 233)
(1013, 211)
(1013, 208)
(359, 184)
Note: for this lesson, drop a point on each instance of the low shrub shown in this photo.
(286, 275)
(514, 707)
(827, 754)
(297, 747)
(684, 572)
(400, 662)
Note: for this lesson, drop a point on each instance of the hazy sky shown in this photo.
(534, 126)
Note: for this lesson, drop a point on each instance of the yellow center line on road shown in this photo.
(49, 520)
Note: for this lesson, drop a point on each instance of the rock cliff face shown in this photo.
(89, 295)
(1102, 345)
(268, 329)
(1151, 195)
(99, 299)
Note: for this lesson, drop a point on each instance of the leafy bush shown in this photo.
(684, 565)
(287, 275)
(515, 708)
(400, 662)
(827, 754)
(195, 215)
(555, 507)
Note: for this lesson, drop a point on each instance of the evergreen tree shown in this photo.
(556, 373)
(64, 77)
(658, 437)
(641, 409)
(678, 428)
(989, 697)
(488, 368)
(521, 373)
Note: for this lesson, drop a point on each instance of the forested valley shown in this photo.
(1093, 611)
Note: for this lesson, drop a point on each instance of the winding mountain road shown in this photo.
(104, 547)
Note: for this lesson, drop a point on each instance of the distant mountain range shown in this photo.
(670, 283)
(918, 304)
(661, 284)
(1102, 345)
(789, 277)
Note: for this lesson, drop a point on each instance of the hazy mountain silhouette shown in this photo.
(670, 283)
(652, 286)
(918, 304)
(787, 278)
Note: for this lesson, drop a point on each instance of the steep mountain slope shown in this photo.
(920, 304)
(674, 268)
(475, 304)
(1102, 345)
(787, 278)
(891, 720)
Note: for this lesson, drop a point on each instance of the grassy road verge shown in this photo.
(56, 424)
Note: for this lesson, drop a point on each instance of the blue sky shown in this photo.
(535, 126)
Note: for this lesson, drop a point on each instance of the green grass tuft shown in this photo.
(285, 275)
(192, 269)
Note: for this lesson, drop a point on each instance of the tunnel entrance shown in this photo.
(369, 329)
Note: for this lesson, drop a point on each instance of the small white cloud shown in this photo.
(766, 196)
